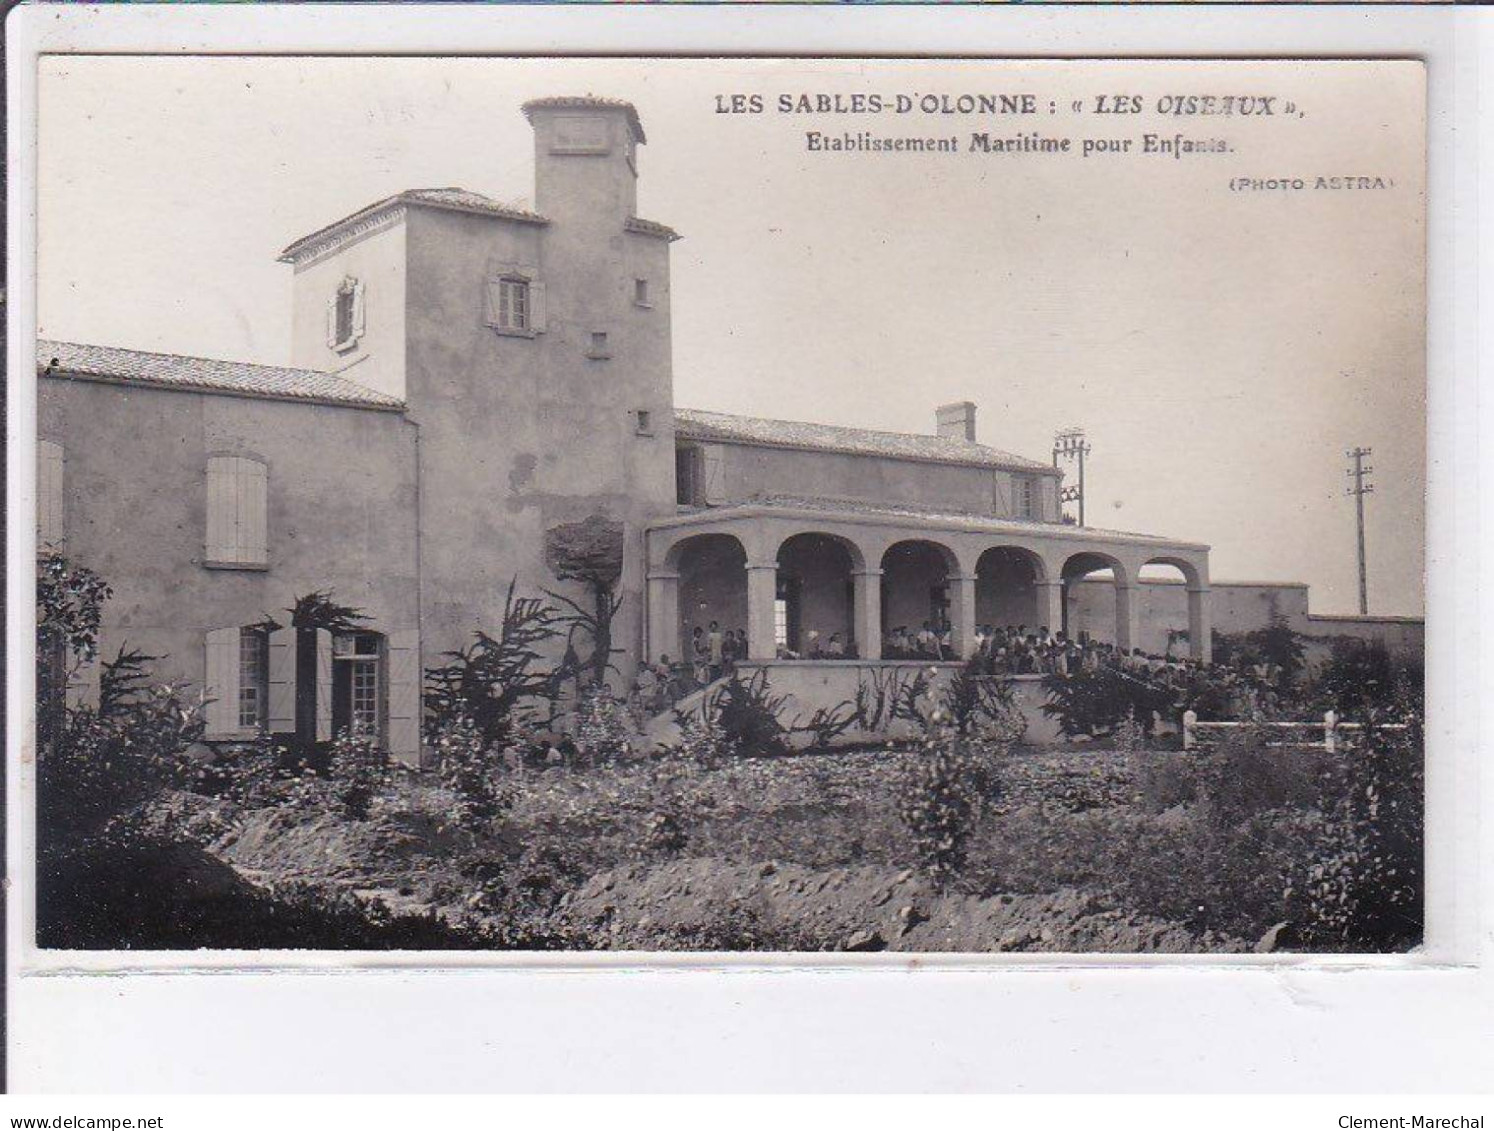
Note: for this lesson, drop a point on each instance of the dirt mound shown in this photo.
(711, 904)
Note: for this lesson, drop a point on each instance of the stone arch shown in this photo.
(712, 587)
(918, 585)
(1175, 618)
(1105, 613)
(815, 599)
(1009, 588)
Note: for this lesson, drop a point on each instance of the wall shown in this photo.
(341, 506)
(520, 434)
(812, 684)
(750, 472)
(377, 260)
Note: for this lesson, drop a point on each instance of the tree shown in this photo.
(316, 611)
(488, 681)
(591, 552)
(69, 608)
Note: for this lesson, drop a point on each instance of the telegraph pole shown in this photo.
(1070, 444)
(1359, 490)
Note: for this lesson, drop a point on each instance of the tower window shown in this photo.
(640, 292)
(643, 422)
(345, 315)
(598, 348)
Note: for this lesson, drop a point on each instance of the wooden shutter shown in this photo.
(282, 706)
(358, 320)
(218, 546)
(221, 683)
(1001, 495)
(49, 465)
(537, 317)
(403, 656)
(712, 475)
(332, 322)
(252, 479)
(323, 685)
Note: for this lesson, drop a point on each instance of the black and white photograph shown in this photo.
(730, 506)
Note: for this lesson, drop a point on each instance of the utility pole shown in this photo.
(1359, 490)
(1070, 444)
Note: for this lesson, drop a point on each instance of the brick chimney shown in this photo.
(956, 421)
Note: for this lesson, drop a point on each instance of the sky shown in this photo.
(1221, 348)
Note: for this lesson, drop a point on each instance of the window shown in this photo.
(237, 522)
(598, 348)
(643, 422)
(513, 304)
(780, 622)
(254, 678)
(357, 683)
(345, 316)
(689, 489)
(48, 495)
(640, 292)
(1023, 497)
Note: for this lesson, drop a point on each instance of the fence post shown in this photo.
(1189, 718)
(1330, 735)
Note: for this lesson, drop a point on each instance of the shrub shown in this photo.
(475, 772)
(704, 741)
(1366, 888)
(604, 732)
(747, 712)
(358, 771)
(941, 797)
(1095, 702)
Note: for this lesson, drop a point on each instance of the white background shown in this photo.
(1400, 1024)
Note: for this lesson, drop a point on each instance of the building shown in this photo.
(466, 378)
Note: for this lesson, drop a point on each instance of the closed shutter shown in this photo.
(237, 511)
(404, 696)
(48, 495)
(492, 311)
(221, 683)
(282, 712)
(323, 685)
(537, 316)
(713, 476)
(1001, 495)
(252, 479)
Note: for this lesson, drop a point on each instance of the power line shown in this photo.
(1359, 473)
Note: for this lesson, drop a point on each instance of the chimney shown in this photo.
(956, 421)
(585, 157)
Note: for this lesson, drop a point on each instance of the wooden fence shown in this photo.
(1334, 732)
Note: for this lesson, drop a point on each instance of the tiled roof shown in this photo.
(452, 199)
(650, 228)
(172, 371)
(938, 516)
(587, 102)
(696, 425)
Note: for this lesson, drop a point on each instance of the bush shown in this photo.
(1089, 703)
(1366, 889)
(604, 732)
(358, 771)
(747, 712)
(475, 772)
(704, 741)
(941, 798)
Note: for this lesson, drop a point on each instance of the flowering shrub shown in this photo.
(357, 770)
(604, 731)
(475, 772)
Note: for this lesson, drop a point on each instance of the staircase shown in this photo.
(662, 730)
